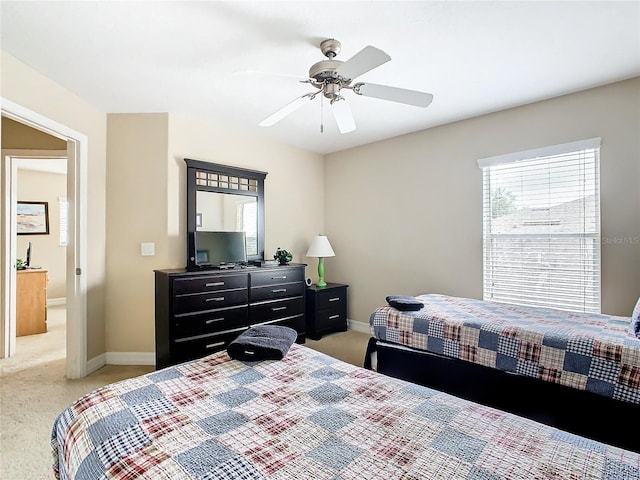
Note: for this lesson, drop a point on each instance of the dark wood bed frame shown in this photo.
(584, 413)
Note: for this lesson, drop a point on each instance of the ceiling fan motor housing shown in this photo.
(325, 71)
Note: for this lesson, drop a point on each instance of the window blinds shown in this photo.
(63, 208)
(541, 227)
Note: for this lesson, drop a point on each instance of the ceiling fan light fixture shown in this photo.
(330, 76)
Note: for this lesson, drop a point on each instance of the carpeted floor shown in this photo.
(34, 390)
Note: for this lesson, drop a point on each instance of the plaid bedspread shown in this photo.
(309, 416)
(592, 352)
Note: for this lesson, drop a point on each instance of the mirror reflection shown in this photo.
(228, 213)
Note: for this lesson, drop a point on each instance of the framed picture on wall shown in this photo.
(33, 218)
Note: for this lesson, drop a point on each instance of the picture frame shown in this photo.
(32, 218)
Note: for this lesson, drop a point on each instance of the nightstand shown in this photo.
(326, 309)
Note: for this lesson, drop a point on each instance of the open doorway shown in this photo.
(75, 261)
(40, 245)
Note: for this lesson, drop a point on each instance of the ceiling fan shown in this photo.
(331, 76)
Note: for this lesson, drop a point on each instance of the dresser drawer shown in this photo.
(264, 312)
(209, 301)
(188, 325)
(196, 347)
(276, 276)
(295, 322)
(208, 283)
(271, 292)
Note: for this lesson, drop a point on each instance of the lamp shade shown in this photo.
(320, 247)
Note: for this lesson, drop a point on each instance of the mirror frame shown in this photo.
(198, 166)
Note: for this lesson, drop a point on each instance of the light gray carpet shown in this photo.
(34, 390)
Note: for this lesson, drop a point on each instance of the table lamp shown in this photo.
(320, 247)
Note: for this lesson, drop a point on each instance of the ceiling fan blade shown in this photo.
(342, 114)
(394, 94)
(366, 59)
(287, 109)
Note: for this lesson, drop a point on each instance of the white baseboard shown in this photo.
(55, 302)
(359, 326)
(96, 363)
(131, 358)
(120, 358)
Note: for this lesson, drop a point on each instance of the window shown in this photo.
(541, 227)
(63, 205)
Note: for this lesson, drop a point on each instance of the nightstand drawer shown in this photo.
(276, 276)
(332, 316)
(271, 292)
(332, 298)
(188, 325)
(264, 312)
(208, 283)
(209, 301)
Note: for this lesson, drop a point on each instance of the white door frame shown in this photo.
(77, 155)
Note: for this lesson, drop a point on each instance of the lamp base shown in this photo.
(321, 282)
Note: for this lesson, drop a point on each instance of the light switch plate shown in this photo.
(147, 249)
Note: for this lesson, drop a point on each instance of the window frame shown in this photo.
(588, 241)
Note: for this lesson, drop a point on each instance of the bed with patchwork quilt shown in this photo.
(548, 364)
(309, 416)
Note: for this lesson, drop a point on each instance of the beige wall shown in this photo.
(16, 136)
(404, 215)
(146, 198)
(28, 88)
(34, 186)
(136, 202)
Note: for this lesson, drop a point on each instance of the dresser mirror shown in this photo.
(228, 199)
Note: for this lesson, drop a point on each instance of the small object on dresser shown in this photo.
(283, 256)
(262, 342)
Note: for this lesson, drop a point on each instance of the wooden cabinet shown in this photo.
(326, 309)
(31, 302)
(199, 313)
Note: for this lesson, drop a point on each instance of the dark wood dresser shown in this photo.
(199, 313)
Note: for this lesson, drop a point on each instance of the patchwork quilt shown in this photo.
(309, 416)
(592, 352)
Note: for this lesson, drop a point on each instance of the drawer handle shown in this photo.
(279, 290)
(215, 299)
(277, 309)
(214, 345)
(334, 316)
(334, 299)
(214, 284)
(279, 278)
(209, 322)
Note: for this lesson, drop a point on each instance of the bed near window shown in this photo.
(547, 364)
(309, 416)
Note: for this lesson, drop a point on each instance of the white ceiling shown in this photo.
(218, 60)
